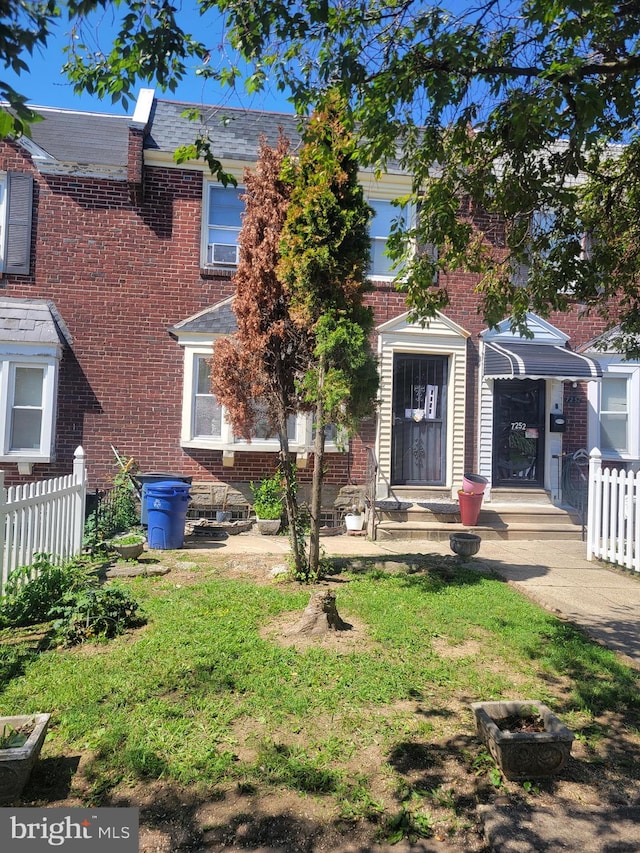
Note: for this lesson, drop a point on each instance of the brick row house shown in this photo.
(117, 279)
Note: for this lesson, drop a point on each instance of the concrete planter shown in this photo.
(464, 544)
(268, 526)
(523, 755)
(16, 763)
(130, 551)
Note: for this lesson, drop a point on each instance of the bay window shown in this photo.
(205, 426)
(28, 385)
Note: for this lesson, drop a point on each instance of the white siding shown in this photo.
(439, 337)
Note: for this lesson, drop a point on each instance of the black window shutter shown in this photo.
(17, 247)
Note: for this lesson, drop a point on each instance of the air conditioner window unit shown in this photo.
(224, 253)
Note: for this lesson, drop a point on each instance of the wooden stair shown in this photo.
(511, 514)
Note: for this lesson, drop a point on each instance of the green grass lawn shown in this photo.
(205, 698)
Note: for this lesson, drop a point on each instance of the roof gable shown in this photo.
(543, 332)
(437, 325)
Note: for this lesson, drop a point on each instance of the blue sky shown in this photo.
(45, 85)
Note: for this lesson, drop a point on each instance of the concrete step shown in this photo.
(440, 532)
(490, 514)
(437, 520)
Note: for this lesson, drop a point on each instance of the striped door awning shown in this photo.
(519, 360)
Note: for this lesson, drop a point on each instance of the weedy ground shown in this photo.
(225, 728)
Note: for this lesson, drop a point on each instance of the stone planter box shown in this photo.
(523, 755)
(16, 763)
(268, 526)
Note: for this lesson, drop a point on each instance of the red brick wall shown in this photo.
(121, 274)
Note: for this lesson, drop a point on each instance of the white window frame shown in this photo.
(618, 370)
(408, 212)
(227, 441)
(31, 357)
(206, 207)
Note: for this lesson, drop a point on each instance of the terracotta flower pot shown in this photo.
(469, 508)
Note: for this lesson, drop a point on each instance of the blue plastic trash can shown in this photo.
(167, 505)
(150, 477)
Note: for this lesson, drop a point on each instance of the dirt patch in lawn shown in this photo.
(426, 786)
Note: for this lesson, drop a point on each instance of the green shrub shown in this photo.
(117, 511)
(95, 613)
(268, 496)
(31, 591)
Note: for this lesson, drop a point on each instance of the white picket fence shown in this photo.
(613, 518)
(45, 517)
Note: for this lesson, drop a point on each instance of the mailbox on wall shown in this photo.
(557, 422)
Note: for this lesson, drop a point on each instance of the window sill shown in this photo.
(253, 447)
(25, 457)
(624, 458)
(217, 272)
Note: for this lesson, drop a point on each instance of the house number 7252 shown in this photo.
(518, 425)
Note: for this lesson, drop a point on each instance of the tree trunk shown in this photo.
(321, 615)
(318, 472)
(296, 536)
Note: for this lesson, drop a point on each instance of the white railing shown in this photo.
(46, 517)
(613, 517)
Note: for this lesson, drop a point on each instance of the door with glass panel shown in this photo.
(418, 439)
(518, 432)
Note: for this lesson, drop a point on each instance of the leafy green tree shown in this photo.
(254, 372)
(507, 112)
(325, 250)
(507, 115)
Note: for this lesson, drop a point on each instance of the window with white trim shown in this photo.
(222, 223)
(207, 412)
(379, 229)
(27, 407)
(28, 391)
(612, 401)
(614, 414)
(205, 426)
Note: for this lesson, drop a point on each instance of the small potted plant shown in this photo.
(267, 503)
(128, 546)
(354, 519)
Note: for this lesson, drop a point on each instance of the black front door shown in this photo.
(518, 432)
(418, 438)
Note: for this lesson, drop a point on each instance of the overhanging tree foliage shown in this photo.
(501, 109)
(505, 114)
(325, 252)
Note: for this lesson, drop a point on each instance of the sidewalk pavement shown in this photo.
(605, 602)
